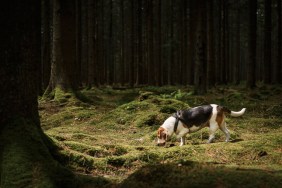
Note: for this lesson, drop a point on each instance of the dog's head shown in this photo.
(162, 136)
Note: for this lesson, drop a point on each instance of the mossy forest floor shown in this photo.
(107, 137)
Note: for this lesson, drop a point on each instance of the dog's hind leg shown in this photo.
(182, 141)
(182, 135)
(213, 129)
(224, 129)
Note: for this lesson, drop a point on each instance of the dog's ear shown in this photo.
(160, 132)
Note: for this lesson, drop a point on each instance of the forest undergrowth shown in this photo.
(107, 137)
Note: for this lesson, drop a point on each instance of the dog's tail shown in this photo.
(233, 113)
(239, 113)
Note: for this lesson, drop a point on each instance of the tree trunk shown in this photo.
(68, 42)
(210, 47)
(223, 43)
(63, 48)
(251, 65)
(78, 45)
(45, 45)
(25, 152)
(90, 23)
(236, 65)
(84, 42)
(279, 44)
(267, 42)
(191, 43)
(201, 48)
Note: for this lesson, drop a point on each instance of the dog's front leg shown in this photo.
(182, 141)
(182, 135)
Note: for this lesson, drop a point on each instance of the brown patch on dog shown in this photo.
(220, 115)
(161, 134)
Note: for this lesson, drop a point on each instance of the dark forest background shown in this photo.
(127, 43)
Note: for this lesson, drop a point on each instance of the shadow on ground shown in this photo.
(192, 174)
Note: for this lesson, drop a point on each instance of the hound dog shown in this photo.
(188, 121)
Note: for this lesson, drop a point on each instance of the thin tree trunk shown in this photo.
(77, 66)
(201, 47)
(251, 65)
(267, 42)
(223, 43)
(279, 43)
(45, 43)
(236, 65)
(160, 64)
(210, 47)
(84, 42)
(91, 23)
(191, 44)
(57, 75)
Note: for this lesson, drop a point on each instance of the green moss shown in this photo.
(116, 161)
(86, 149)
(151, 110)
(149, 119)
(61, 96)
(149, 156)
(116, 149)
(26, 161)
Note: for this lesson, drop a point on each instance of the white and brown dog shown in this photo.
(194, 119)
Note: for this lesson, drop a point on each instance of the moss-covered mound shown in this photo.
(147, 110)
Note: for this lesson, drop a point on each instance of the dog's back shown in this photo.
(196, 116)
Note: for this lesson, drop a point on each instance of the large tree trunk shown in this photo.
(25, 157)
